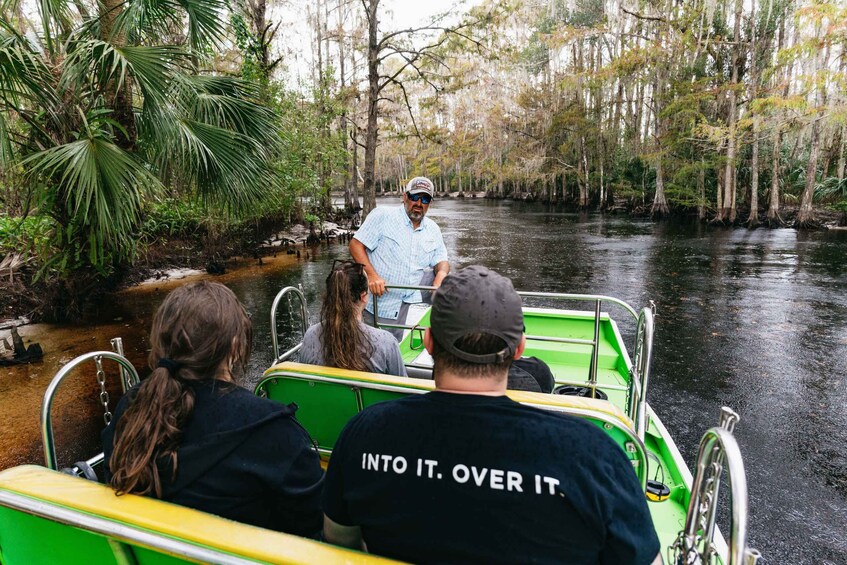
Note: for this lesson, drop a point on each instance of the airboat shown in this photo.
(49, 514)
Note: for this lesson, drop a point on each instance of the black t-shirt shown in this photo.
(464, 478)
(244, 458)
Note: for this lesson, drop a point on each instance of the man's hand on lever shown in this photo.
(376, 284)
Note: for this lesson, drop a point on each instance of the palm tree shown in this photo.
(97, 115)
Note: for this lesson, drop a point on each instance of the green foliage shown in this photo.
(830, 189)
(840, 206)
(170, 217)
(28, 236)
(102, 123)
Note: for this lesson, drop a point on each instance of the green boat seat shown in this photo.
(327, 397)
(47, 517)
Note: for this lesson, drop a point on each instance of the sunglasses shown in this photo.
(423, 198)
(341, 264)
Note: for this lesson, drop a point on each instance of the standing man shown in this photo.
(401, 246)
(464, 474)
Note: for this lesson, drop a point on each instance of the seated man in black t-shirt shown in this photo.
(464, 474)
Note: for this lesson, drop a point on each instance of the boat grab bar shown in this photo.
(304, 319)
(47, 404)
(695, 544)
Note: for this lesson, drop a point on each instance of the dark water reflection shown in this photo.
(753, 320)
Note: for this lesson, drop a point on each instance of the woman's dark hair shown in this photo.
(345, 343)
(197, 330)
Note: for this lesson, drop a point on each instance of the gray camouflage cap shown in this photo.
(477, 300)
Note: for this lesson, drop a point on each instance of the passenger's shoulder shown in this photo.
(242, 399)
(378, 334)
(562, 423)
(313, 331)
(431, 225)
(391, 408)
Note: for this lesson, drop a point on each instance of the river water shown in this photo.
(754, 320)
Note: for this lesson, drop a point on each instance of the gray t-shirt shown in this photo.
(386, 357)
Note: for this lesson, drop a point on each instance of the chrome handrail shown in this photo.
(118, 347)
(695, 543)
(47, 403)
(640, 374)
(304, 320)
(640, 371)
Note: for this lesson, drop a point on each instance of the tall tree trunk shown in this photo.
(842, 153)
(806, 215)
(701, 191)
(660, 203)
(371, 134)
(728, 212)
(774, 219)
(354, 170)
(583, 175)
(349, 166)
(753, 218)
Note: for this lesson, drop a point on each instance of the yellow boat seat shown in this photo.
(47, 517)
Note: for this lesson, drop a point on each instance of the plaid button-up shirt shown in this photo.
(400, 254)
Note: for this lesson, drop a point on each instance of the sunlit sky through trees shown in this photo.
(296, 35)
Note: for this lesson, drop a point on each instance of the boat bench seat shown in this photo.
(48, 517)
(327, 397)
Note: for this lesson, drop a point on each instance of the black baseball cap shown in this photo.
(477, 300)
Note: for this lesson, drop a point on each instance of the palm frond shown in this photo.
(24, 75)
(106, 66)
(100, 185)
(230, 108)
(156, 18)
(220, 144)
(7, 155)
(205, 21)
(56, 21)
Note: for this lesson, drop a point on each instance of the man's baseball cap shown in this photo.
(420, 185)
(476, 300)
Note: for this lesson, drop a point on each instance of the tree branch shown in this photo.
(643, 17)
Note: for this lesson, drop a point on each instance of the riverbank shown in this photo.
(24, 299)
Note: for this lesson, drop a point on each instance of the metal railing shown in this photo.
(289, 291)
(640, 371)
(129, 378)
(636, 389)
(695, 544)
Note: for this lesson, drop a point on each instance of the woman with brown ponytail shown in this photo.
(342, 339)
(190, 435)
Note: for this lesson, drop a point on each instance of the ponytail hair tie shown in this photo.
(172, 366)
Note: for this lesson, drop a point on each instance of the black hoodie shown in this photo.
(244, 458)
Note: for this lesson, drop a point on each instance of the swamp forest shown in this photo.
(136, 134)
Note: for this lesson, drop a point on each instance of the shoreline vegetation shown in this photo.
(175, 253)
(133, 140)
